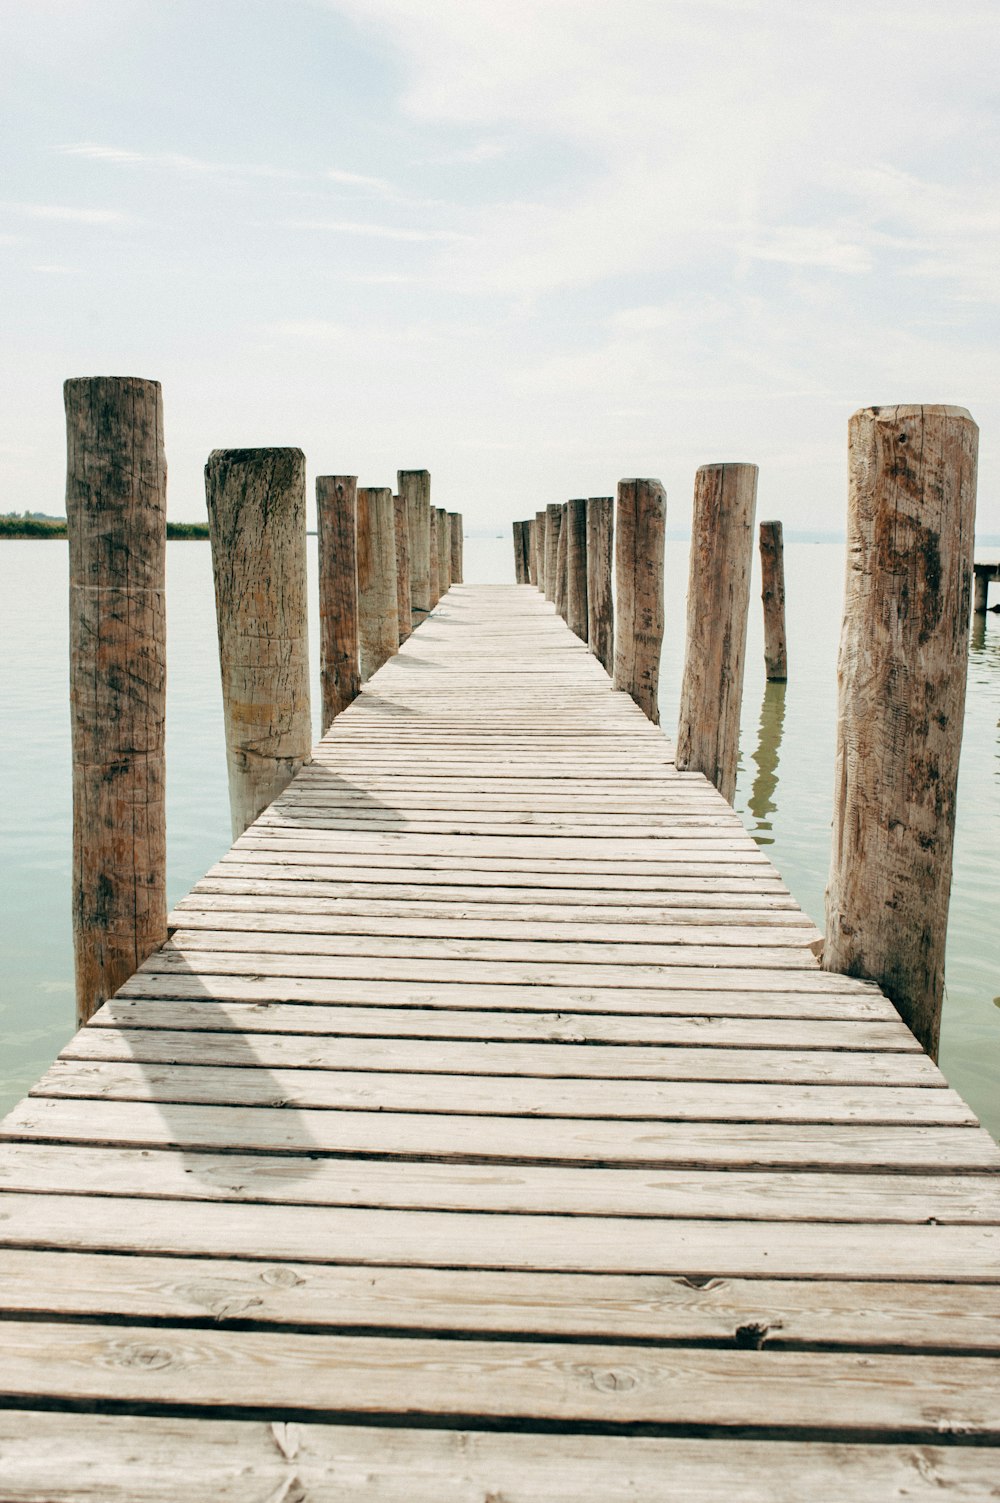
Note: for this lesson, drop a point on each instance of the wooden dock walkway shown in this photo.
(487, 1132)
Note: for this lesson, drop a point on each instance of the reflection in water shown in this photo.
(767, 756)
(984, 670)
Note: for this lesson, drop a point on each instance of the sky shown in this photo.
(533, 246)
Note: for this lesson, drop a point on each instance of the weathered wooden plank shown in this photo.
(482, 871)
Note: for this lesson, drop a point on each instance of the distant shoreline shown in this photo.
(34, 527)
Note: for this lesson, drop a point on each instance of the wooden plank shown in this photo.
(391, 869)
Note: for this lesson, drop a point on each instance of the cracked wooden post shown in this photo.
(434, 587)
(455, 531)
(553, 526)
(116, 490)
(444, 550)
(600, 601)
(378, 608)
(404, 607)
(772, 575)
(539, 540)
(639, 544)
(718, 603)
(576, 568)
(559, 597)
(532, 552)
(520, 553)
(257, 522)
(901, 684)
(336, 527)
(414, 486)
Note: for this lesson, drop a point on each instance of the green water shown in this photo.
(784, 793)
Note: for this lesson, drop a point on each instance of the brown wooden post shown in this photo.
(576, 568)
(532, 555)
(378, 601)
(336, 526)
(414, 486)
(560, 593)
(600, 603)
(639, 544)
(455, 530)
(772, 573)
(539, 535)
(718, 602)
(901, 679)
(435, 557)
(520, 553)
(404, 608)
(257, 520)
(553, 526)
(116, 493)
(444, 551)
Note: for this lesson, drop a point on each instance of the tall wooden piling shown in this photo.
(455, 533)
(444, 551)
(435, 558)
(539, 542)
(560, 590)
(378, 607)
(901, 681)
(576, 568)
(600, 606)
(414, 486)
(404, 604)
(718, 602)
(530, 529)
(639, 547)
(553, 527)
(336, 526)
(772, 575)
(520, 553)
(116, 493)
(257, 521)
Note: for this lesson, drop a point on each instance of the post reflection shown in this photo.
(767, 757)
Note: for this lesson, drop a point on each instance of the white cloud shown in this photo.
(359, 180)
(172, 161)
(67, 212)
(375, 231)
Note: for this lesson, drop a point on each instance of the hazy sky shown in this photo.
(530, 245)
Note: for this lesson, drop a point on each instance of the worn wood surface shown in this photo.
(378, 598)
(519, 530)
(576, 568)
(457, 540)
(116, 497)
(404, 599)
(540, 524)
(772, 585)
(337, 529)
(489, 1083)
(600, 572)
(444, 550)
(901, 678)
(257, 518)
(640, 537)
(562, 553)
(553, 527)
(718, 598)
(414, 487)
(532, 552)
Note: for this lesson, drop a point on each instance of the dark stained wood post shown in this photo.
(560, 592)
(639, 545)
(718, 603)
(257, 521)
(539, 536)
(336, 526)
(444, 550)
(553, 526)
(532, 552)
(901, 678)
(116, 496)
(434, 587)
(600, 603)
(378, 608)
(414, 486)
(455, 531)
(520, 553)
(576, 568)
(772, 573)
(404, 608)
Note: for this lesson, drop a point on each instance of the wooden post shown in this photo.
(257, 521)
(532, 552)
(116, 490)
(639, 544)
(455, 530)
(540, 520)
(772, 573)
(414, 486)
(378, 607)
(520, 553)
(336, 526)
(560, 591)
(444, 551)
(553, 526)
(600, 604)
(576, 568)
(435, 557)
(718, 602)
(901, 681)
(404, 607)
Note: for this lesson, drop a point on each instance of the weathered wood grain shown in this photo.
(337, 529)
(639, 551)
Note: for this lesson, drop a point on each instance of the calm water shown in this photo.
(784, 794)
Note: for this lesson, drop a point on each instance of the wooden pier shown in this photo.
(485, 1132)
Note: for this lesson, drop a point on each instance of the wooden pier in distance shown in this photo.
(487, 1130)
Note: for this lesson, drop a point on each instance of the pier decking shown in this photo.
(486, 1132)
